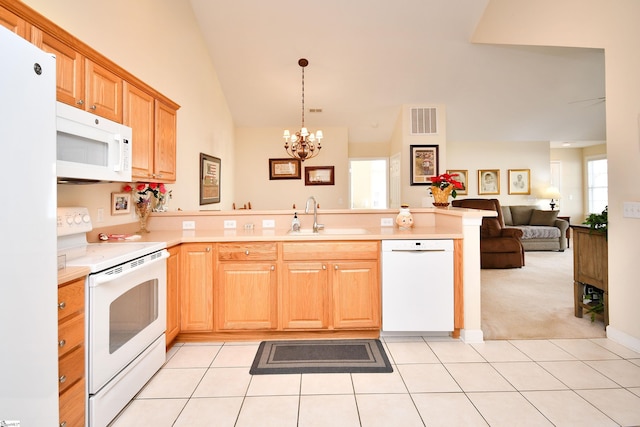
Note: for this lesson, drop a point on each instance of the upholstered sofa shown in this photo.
(541, 229)
(500, 247)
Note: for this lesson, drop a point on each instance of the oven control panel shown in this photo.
(73, 220)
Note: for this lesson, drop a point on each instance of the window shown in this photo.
(597, 184)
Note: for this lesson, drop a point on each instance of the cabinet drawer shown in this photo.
(70, 334)
(247, 251)
(300, 251)
(70, 298)
(72, 406)
(70, 369)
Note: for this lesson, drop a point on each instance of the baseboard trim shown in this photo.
(623, 338)
(472, 336)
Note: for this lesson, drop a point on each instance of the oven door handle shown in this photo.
(118, 272)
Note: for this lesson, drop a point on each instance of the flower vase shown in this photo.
(404, 218)
(441, 195)
(143, 209)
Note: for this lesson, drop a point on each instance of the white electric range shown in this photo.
(125, 313)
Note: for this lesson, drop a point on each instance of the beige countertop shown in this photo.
(175, 237)
(68, 274)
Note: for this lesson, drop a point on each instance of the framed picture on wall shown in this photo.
(284, 169)
(209, 179)
(319, 175)
(463, 178)
(424, 164)
(489, 181)
(519, 181)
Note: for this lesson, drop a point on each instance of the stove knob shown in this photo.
(86, 218)
(77, 219)
(69, 220)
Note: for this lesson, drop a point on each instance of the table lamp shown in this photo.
(554, 194)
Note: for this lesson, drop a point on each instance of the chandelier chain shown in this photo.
(302, 96)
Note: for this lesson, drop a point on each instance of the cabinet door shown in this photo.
(305, 296)
(173, 297)
(196, 287)
(246, 296)
(164, 158)
(69, 68)
(103, 92)
(138, 113)
(356, 294)
(14, 23)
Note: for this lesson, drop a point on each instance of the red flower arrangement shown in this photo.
(145, 190)
(445, 180)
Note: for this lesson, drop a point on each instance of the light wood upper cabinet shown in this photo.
(173, 295)
(246, 286)
(69, 68)
(103, 92)
(165, 142)
(196, 287)
(138, 113)
(14, 23)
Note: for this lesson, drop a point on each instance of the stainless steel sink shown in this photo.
(328, 231)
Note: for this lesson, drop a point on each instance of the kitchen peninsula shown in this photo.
(242, 283)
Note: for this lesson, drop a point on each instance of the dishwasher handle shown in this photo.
(419, 250)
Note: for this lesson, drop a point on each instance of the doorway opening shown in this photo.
(368, 183)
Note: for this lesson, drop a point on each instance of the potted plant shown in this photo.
(443, 186)
(598, 222)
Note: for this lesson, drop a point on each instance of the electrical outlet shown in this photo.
(268, 223)
(188, 225)
(386, 222)
(100, 215)
(230, 223)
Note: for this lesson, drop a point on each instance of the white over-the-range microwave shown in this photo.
(91, 148)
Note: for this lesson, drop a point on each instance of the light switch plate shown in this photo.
(230, 223)
(188, 225)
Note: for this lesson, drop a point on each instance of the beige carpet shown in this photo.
(534, 302)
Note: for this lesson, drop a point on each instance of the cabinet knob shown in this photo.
(80, 102)
(246, 252)
(62, 343)
(93, 107)
(335, 267)
(273, 267)
(62, 305)
(208, 249)
(324, 267)
(62, 379)
(63, 424)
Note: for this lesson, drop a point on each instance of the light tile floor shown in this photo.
(561, 382)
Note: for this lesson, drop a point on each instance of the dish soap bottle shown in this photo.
(295, 222)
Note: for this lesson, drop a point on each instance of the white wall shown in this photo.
(612, 26)
(176, 63)
(254, 148)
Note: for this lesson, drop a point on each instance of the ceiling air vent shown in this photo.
(423, 121)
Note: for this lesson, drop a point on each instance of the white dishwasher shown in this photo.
(417, 285)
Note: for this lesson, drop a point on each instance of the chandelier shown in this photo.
(302, 145)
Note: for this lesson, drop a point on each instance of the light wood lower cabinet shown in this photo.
(196, 287)
(305, 295)
(246, 286)
(71, 375)
(173, 294)
(278, 288)
(340, 291)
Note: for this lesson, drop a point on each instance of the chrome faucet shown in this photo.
(316, 226)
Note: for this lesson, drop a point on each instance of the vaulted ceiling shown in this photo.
(369, 57)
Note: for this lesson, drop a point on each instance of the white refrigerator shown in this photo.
(28, 252)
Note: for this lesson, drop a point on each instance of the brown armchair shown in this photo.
(500, 247)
